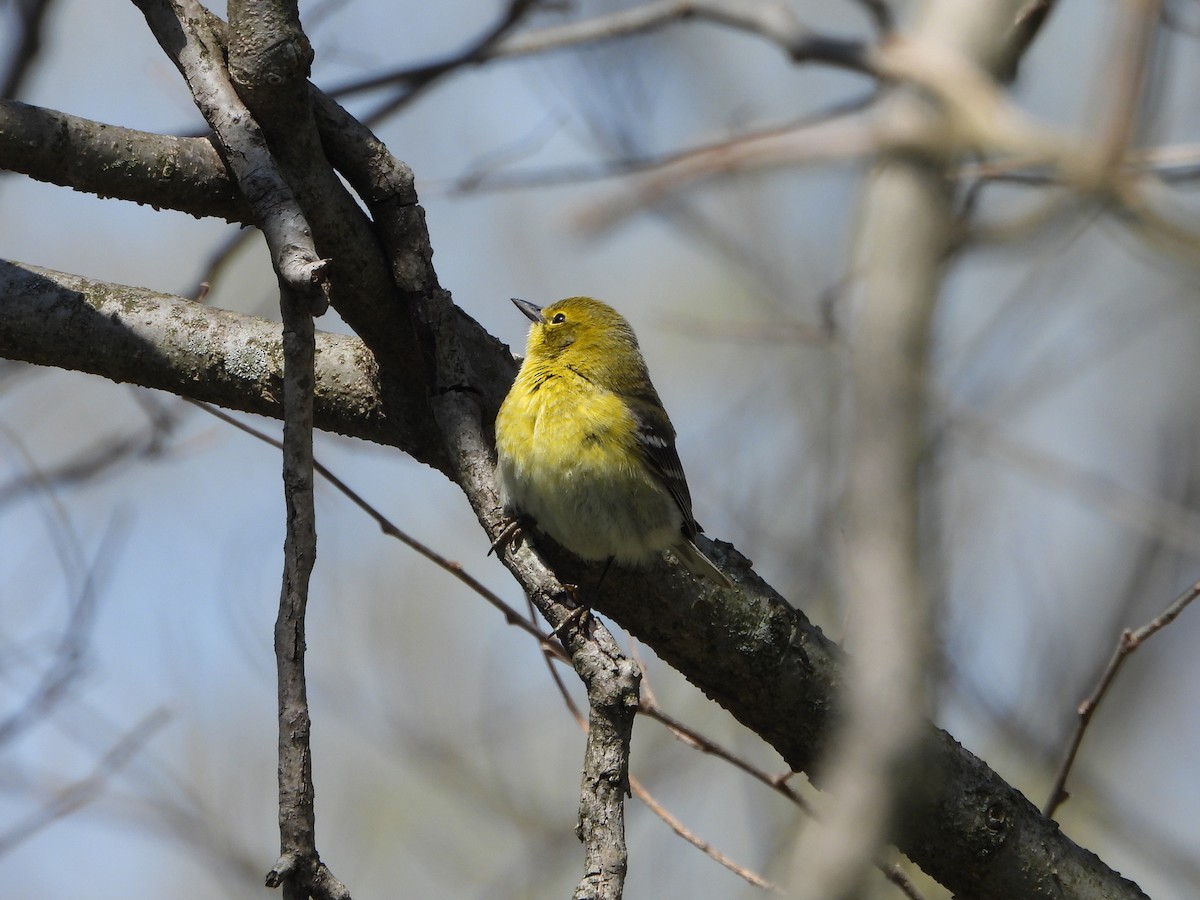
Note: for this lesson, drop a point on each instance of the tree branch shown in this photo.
(180, 173)
(142, 337)
(748, 650)
(182, 28)
(1127, 643)
(612, 680)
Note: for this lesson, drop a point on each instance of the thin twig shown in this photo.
(778, 783)
(708, 849)
(553, 650)
(642, 794)
(455, 568)
(773, 21)
(1126, 645)
(704, 744)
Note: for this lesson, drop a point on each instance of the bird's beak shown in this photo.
(532, 310)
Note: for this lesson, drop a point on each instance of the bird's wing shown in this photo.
(656, 441)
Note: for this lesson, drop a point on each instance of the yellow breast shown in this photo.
(567, 455)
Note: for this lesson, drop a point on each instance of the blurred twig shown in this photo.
(84, 791)
(771, 19)
(1026, 27)
(1159, 517)
(416, 80)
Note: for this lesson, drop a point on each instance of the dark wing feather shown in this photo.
(656, 441)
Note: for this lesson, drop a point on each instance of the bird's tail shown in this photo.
(698, 564)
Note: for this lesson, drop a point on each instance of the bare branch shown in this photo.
(612, 680)
(32, 15)
(511, 616)
(182, 28)
(166, 172)
(703, 846)
(161, 341)
(1129, 641)
(299, 868)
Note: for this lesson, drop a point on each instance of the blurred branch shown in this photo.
(902, 244)
(771, 19)
(976, 118)
(1158, 517)
(1125, 77)
(68, 658)
(90, 462)
(1027, 25)
(417, 79)
(1129, 641)
(485, 176)
(79, 794)
(880, 13)
(32, 16)
(904, 230)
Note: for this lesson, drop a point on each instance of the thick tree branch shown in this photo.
(180, 173)
(750, 651)
(185, 32)
(155, 340)
(612, 705)
(182, 28)
(747, 649)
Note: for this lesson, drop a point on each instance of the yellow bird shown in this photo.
(585, 448)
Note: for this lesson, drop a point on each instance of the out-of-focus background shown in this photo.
(140, 539)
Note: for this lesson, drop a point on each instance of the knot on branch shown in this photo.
(306, 274)
(258, 62)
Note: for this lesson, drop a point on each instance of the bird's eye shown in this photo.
(558, 317)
